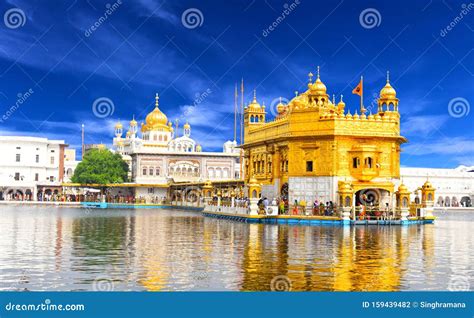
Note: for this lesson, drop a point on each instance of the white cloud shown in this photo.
(422, 125)
(460, 147)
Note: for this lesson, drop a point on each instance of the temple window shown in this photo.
(144, 171)
(347, 201)
(157, 171)
(368, 162)
(151, 171)
(309, 166)
(355, 162)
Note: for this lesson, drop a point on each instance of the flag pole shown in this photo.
(362, 110)
(235, 112)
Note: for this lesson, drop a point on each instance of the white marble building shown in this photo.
(31, 168)
(157, 156)
(454, 187)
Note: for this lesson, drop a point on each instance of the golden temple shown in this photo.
(315, 146)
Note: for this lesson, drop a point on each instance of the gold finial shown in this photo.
(342, 97)
(296, 93)
(254, 95)
(388, 77)
(334, 99)
(280, 99)
(156, 100)
(310, 75)
(318, 71)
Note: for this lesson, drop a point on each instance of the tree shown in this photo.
(101, 166)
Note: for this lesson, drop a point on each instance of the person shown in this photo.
(315, 207)
(361, 211)
(386, 212)
(282, 207)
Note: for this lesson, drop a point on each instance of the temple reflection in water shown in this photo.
(155, 250)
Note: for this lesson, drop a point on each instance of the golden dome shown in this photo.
(187, 125)
(280, 108)
(318, 86)
(254, 105)
(198, 148)
(341, 104)
(345, 187)
(388, 91)
(402, 188)
(427, 185)
(156, 118)
(133, 122)
(128, 133)
(118, 125)
(253, 182)
(120, 143)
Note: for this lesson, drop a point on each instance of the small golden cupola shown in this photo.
(133, 126)
(118, 129)
(254, 113)
(388, 100)
(280, 108)
(340, 106)
(318, 91)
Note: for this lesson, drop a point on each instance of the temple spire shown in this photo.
(156, 100)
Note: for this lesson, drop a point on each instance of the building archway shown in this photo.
(466, 201)
(447, 201)
(375, 197)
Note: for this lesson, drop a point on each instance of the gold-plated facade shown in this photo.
(312, 136)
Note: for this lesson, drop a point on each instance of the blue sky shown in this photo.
(144, 47)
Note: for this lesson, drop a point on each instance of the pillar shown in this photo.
(403, 202)
(427, 199)
(254, 190)
(346, 196)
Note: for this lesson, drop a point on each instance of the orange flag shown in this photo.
(358, 89)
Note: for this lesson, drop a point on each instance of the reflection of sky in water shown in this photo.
(49, 248)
